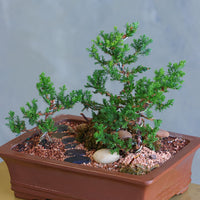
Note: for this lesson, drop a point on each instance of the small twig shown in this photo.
(45, 135)
(85, 117)
(140, 120)
(151, 119)
(138, 151)
(125, 38)
(108, 94)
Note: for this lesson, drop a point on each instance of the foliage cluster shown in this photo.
(55, 101)
(128, 108)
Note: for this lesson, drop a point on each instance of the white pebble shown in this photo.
(105, 156)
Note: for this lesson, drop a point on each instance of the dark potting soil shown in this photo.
(172, 144)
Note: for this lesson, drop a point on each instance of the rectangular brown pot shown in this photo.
(35, 178)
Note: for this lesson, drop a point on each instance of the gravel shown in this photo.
(57, 150)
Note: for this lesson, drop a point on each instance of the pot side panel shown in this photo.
(175, 181)
(33, 181)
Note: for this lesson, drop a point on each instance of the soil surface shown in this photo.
(64, 147)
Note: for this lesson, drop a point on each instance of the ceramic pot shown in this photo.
(34, 178)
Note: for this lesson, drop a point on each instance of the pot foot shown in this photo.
(26, 196)
(183, 190)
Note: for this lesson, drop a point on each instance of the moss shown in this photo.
(137, 169)
(85, 135)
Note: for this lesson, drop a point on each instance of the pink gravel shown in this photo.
(147, 158)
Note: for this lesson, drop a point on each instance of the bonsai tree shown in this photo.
(132, 105)
(127, 109)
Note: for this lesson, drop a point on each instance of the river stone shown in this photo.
(59, 134)
(78, 159)
(124, 134)
(162, 133)
(68, 140)
(62, 128)
(70, 145)
(75, 152)
(105, 156)
(61, 131)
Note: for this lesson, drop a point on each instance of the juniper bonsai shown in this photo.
(127, 109)
(132, 105)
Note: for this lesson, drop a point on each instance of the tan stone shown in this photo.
(162, 133)
(124, 134)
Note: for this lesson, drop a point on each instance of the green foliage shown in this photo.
(138, 97)
(55, 101)
(149, 134)
(31, 113)
(46, 89)
(47, 125)
(16, 125)
(111, 139)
